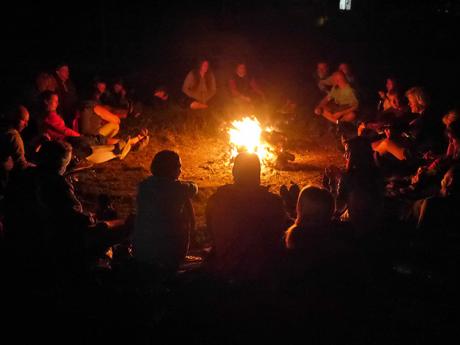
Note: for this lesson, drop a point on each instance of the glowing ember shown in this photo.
(245, 136)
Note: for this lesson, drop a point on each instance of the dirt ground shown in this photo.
(206, 160)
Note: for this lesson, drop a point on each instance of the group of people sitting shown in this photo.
(398, 158)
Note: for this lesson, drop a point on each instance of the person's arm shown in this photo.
(105, 114)
(189, 214)
(324, 84)
(342, 196)
(427, 219)
(56, 123)
(322, 104)
(255, 87)
(213, 88)
(235, 92)
(233, 88)
(190, 188)
(188, 84)
(18, 152)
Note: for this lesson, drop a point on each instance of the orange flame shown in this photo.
(245, 136)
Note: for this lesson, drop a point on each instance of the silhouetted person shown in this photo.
(46, 227)
(247, 223)
(361, 188)
(320, 251)
(165, 214)
(314, 241)
(438, 215)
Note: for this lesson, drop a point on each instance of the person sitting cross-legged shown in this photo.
(341, 102)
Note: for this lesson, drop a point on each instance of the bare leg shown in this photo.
(101, 154)
(109, 130)
(388, 146)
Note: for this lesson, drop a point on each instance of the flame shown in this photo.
(245, 136)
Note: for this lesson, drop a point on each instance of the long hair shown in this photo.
(315, 206)
(360, 156)
(45, 82)
(207, 76)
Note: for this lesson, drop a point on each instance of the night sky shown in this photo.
(157, 42)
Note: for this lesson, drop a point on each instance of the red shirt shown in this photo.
(55, 127)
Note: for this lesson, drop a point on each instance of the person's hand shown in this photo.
(382, 94)
(387, 132)
(318, 111)
(361, 128)
(429, 156)
(418, 175)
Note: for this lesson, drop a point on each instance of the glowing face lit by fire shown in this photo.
(245, 136)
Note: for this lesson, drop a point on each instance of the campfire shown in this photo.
(246, 135)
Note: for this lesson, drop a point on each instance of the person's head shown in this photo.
(450, 184)
(118, 86)
(55, 156)
(241, 70)
(203, 66)
(417, 99)
(166, 164)
(246, 169)
(100, 86)
(393, 97)
(345, 68)
(322, 68)
(45, 82)
(339, 79)
(391, 84)
(63, 72)
(18, 117)
(50, 100)
(359, 154)
(450, 117)
(314, 206)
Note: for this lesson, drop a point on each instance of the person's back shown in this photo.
(162, 232)
(361, 187)
(164, 215)
(246, 222)
(438, 215)
(44, 219)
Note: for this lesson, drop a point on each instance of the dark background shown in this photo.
(157, 42)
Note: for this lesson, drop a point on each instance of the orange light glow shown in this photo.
(245, 136)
